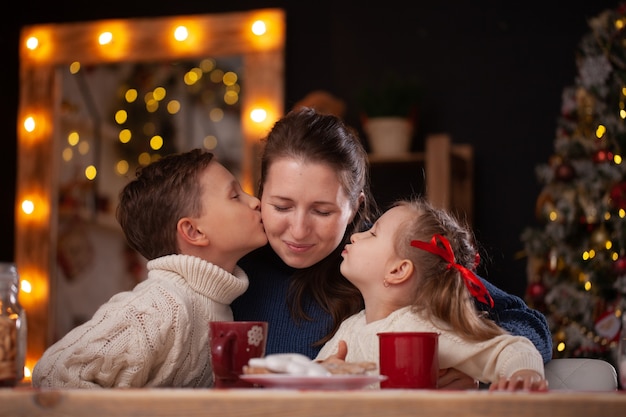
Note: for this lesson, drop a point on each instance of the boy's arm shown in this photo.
(107, 351)
(512, 314)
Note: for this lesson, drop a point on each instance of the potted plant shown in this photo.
(389, 114)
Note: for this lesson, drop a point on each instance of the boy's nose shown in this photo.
(255, 203)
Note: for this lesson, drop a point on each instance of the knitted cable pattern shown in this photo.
(153, 336)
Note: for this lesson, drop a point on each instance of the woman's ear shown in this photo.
(400, 271)
(359, 201)
(190, 234)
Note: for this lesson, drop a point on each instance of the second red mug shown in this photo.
(409, 359)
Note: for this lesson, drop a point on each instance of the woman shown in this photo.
(314, 195)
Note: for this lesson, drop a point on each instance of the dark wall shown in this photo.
(493, 74)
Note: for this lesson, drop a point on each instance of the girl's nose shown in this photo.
(355, 237)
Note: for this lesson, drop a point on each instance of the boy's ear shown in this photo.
(400, 272)
(189, 233)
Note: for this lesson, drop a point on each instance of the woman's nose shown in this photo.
(299, 225)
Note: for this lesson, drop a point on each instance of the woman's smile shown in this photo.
(298, 247)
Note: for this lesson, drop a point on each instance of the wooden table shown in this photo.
(28, 402)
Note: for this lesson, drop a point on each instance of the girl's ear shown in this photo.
(190, 234)
(400, 272)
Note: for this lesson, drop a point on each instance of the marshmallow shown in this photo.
(290, 363)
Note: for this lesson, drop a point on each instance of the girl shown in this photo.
(414, 270)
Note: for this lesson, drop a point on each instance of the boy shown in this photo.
(189, 217)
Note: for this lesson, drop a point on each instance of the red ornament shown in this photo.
(536, 291)
(602, 155)
(618, 195)
(564, 172)
(599, 156)
(619, 266)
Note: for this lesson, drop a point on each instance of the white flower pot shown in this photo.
(389, 136)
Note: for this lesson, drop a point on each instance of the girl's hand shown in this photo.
(342, 351)
(454, 379)
(340, 356)
(525, 379)
(337, 364)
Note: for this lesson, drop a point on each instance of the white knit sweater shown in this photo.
(153, 336)
(486, 361)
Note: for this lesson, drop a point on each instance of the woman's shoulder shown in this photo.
(501, 298)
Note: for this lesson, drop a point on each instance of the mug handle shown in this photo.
(223, 349)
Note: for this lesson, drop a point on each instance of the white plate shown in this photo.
(335, 382)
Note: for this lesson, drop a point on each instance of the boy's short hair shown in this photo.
(161, 194)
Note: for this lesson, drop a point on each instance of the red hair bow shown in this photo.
(472, 282)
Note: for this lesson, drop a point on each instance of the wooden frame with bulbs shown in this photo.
(44, 48)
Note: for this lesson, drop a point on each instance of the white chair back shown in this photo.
(581, 374)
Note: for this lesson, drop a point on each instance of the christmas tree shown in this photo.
(577, 253)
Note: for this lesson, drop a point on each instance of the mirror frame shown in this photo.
(135, 39)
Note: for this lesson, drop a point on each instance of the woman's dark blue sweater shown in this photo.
(266, 300)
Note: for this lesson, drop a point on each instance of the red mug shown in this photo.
(232, 344)
(409, 359)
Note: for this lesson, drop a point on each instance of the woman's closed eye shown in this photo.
(281, 208)
(318, 212)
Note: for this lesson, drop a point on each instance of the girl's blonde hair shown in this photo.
(441, 291)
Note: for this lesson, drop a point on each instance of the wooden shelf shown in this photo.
(444, 173)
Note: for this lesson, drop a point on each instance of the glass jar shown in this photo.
(621, 354)
(12, 327)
